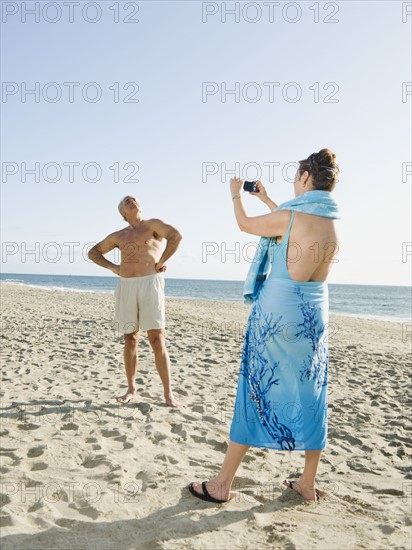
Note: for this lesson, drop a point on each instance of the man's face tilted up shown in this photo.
(131, 206)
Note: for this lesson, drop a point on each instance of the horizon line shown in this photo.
(192, 279)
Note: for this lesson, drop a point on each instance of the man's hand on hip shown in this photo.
(160, 267)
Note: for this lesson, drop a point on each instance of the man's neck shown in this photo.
(135, 222)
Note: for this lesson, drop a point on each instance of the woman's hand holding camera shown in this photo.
(261, 192)
(263, 196)
(237, 188)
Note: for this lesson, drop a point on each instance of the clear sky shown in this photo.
(182, 133)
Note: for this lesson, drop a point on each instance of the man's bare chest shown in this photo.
(138, 238)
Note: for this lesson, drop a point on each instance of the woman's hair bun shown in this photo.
(325, 157)
(323, 169)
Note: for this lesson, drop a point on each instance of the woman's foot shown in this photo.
(216, 490)
(305, 490)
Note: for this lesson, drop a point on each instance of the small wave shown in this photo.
(203, 298)
(371, 316)
(60, 288)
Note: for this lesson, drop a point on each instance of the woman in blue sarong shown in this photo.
(281, 400)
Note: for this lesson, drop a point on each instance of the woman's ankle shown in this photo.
(222, 483)
(307, 482)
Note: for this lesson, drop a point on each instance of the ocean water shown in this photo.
(391, 303)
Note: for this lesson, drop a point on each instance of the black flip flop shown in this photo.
(205, 496)
(289, 483)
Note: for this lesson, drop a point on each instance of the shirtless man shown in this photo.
(139, 293)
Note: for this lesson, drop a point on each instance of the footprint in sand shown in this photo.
(6, 520)
(154, 435)
(351, 439)
(190, 418)
(9, 454)
(70, 426)
(28, 426)
(220, 446)
(85, 510)
(178, 429)
(212, 420)
(39, 466)
(166, 458)
(123, 439)
(4, 500)
(198, 439)
(201, 464)
(248, 458)
(36, 506)
(34, 452)
(91, 462)
(110, 433)
(144, 408)
(66, 523)
(390, 491)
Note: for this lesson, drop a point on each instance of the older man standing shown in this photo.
(139, 294)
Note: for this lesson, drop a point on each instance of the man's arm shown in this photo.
(105, 246)
(173, 238)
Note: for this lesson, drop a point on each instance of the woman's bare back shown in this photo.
(313, 247)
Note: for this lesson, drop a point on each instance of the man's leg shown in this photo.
(219, 486)
(130, 365)
(162, 361)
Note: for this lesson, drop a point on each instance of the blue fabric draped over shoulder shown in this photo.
(316, 202)
(281, 400)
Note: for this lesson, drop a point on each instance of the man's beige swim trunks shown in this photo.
(140, 303)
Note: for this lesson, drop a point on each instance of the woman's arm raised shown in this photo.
(269, 225)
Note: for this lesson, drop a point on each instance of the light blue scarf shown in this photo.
(316, 202)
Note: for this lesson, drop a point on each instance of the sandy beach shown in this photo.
(80, 471)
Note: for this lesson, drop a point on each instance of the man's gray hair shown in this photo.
(120, 206)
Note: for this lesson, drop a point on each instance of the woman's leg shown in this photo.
(219, 486)
(305, 485)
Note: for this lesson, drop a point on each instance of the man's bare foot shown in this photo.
(128, 396)
(308, 492)
(171, 401)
